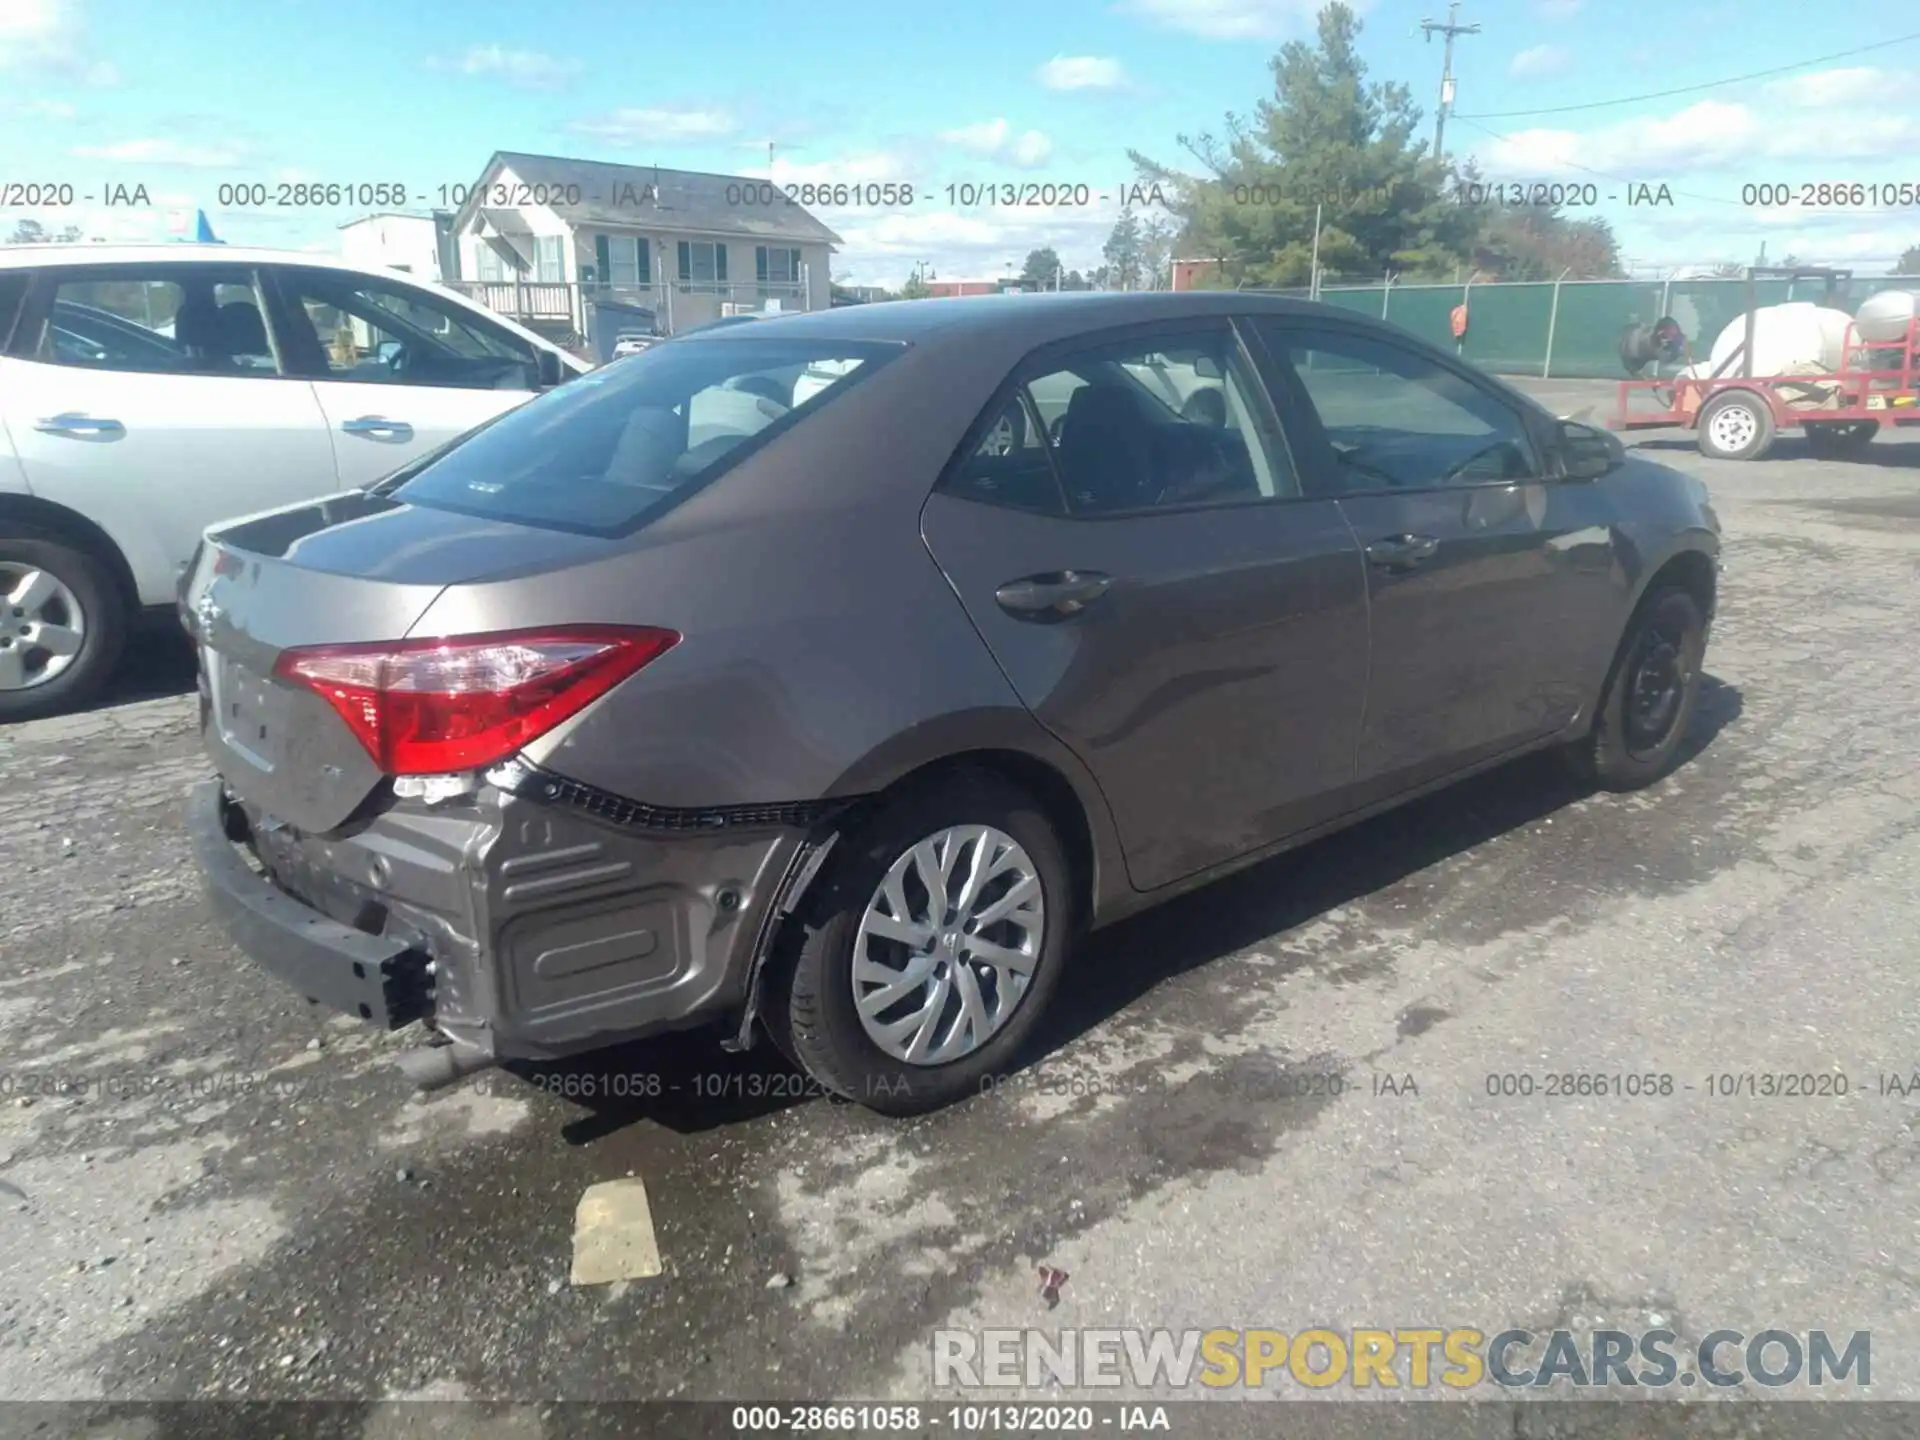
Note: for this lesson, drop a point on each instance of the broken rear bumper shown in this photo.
(379, 979)
(529, 919)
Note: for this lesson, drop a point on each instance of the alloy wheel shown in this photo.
(947, 946)
(42, 626)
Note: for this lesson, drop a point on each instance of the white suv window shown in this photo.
(184, 320)
(366, 330)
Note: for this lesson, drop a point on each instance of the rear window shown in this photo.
(604, 453)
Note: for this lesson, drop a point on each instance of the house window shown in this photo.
(624, 259)
(550, 259)
(488, 263)
(775, 266)
(702, 263)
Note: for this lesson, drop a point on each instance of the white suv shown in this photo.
(149, 391)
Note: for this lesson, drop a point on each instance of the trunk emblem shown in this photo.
(206, 612)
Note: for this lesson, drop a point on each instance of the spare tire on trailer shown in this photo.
(1636, 349)
(1642, 344)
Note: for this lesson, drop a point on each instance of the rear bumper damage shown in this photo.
(524, 920)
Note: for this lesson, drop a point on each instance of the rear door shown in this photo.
(398, 370)
(1162, 595)
(1489, 579)
(148, 398)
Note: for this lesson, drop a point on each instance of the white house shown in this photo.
(409, 241)
(546, 240)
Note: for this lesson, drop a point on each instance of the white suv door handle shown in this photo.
(75, 424)
(379, 427)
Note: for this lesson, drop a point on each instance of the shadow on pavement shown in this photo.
(688, 1084)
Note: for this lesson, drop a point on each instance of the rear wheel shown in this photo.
(1735, 425)
(1840, 437)
(62, 623)
(929, 956)
(1651, 695)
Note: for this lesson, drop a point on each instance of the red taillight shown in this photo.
(425, 707)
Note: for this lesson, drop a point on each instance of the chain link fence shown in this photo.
(1571, 329)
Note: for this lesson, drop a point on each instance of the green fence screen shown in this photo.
(1519, 329)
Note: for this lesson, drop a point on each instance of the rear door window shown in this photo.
(161, 319)
(603, 453)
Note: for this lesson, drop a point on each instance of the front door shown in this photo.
(1490, 583)
(397, 369)
(1161, 594)
(148, 399)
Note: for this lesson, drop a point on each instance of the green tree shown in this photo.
(1042, 270)
(32, 232)
(1909, 261)
(1328, 140)
(1124, 253)
(916, 287)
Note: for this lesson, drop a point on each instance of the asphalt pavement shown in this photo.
(209, 1189)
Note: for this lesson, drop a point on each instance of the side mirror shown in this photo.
(548, 371)
(1587, 452)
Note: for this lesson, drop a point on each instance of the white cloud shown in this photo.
(525, 69)
(1823, 88)
(1233, 19)
(1704, 138)
(965, 244)
(987, 138)
(48, 38)
(996, 140)
(158, 150)
(40, 109)
(1031, 149)
(848, 170)
(1082, 72)
(1539, 60)
(638, 126)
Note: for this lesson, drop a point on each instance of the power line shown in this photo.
(1692, 89)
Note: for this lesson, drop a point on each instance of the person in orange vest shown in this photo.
(1457, 322)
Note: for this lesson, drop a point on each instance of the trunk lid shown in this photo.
(342, 570)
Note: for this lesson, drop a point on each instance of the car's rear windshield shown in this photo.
(606, 452)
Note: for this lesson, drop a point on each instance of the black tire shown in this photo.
(104, 616)
(1757, 431)
(810, 1011)
(1840, 437)
(1628, 749)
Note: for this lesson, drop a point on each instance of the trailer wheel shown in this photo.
(1736, 425)
(1840, 437)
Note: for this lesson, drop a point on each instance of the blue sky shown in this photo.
(184, 98)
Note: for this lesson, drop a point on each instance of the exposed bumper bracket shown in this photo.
(380, 980)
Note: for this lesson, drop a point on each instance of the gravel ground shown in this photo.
(208, 1189)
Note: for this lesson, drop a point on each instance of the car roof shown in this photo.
(1042, 314)
(178, 252)
(1026, 322)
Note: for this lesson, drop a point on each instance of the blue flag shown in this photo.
(202, 231)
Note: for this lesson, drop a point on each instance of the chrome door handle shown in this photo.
(1056, 595)
(1399, 551)
(379, 427)
(76, 424)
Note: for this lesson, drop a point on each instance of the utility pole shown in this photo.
(1450, 29)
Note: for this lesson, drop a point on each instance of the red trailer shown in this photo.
(1737, 414)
